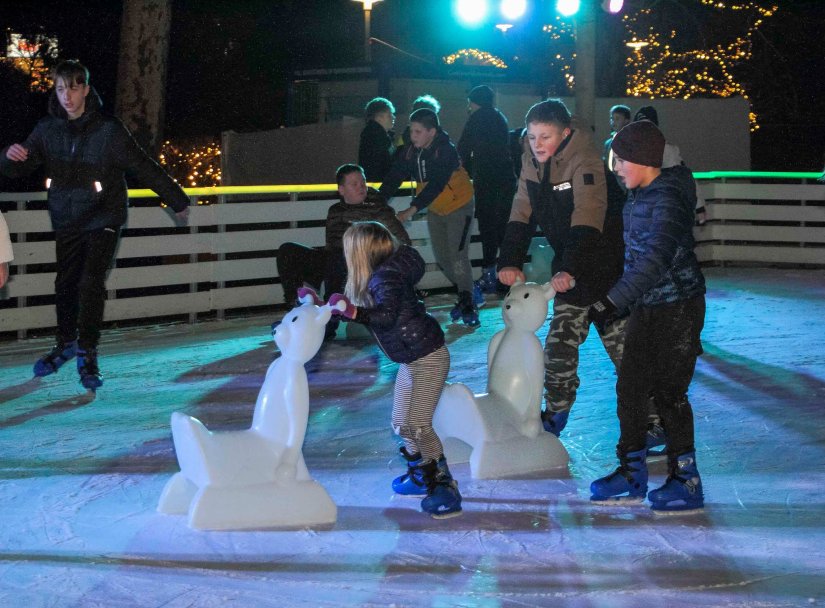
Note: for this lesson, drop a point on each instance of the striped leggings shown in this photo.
(418, 387)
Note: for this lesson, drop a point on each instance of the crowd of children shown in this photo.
(620, 227)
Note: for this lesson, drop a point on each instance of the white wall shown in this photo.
(712, 134)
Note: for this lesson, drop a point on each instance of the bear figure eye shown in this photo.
(294, 319)
(527, 295)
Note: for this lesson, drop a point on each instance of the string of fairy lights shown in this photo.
(656, 70)
(195, 165)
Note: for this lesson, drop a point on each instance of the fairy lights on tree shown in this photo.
(661, 64)
(192, 165)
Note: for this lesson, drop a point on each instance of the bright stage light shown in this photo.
(513, 9)
(471, 12)
(612, 6)
(567, 8)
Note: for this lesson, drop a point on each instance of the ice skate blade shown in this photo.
(617, 501)
(677, 512)
(449, 515)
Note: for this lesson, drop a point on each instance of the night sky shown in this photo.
(230, 60)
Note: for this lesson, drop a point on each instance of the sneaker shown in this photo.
(55, 358)
(90, 376)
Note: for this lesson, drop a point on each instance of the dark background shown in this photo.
(230, 60)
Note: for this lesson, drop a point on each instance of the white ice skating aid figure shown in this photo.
(256, 478)
(500, 431)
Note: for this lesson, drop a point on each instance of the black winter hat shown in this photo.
(639, 142)
(481, 95)
(647, 113)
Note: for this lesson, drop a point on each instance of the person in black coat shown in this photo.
(484, 147)
(664, 289)
(375, 148)
(85, 154)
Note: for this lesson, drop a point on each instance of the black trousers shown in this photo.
(299, 264)
(661, 345)
(493, 202)
(83, 260)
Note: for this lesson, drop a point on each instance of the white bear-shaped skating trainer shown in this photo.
(256, 478)
(500, 431)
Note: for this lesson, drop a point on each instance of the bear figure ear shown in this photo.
(548, 291)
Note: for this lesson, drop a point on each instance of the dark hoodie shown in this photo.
(86, 160)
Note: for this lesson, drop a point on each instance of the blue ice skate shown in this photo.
(683, 489)
(465, 310)
(90, 376)
(443, 499)
(55, 358)
(487, 282)
(554, 422)
(655, 438)
(412, 482)
(627, 484)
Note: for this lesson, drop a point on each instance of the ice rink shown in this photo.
(81, 477)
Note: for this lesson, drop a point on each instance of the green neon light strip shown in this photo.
(756, 175)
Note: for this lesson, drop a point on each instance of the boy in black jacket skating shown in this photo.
(85, 154)
(664, 289)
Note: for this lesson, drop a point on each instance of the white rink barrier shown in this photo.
(225, 258)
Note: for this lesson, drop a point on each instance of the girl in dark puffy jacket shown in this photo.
(380, 293)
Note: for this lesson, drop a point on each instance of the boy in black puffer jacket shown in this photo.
(664, 288)
(86, 154)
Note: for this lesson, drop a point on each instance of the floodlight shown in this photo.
(471, 12)
(513, 9)
(567, 8)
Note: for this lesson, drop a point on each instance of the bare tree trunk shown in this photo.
(141, 72)
(585, 83)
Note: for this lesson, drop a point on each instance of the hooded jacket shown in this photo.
(85, 162)
(440, 179)
(660, 264)
(398, 319)
(567, 198)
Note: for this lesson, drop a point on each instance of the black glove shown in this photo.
(603, 312)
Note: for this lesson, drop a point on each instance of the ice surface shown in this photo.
(81, 477)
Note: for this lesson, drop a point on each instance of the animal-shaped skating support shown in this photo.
(256, 478)
(500, 431)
